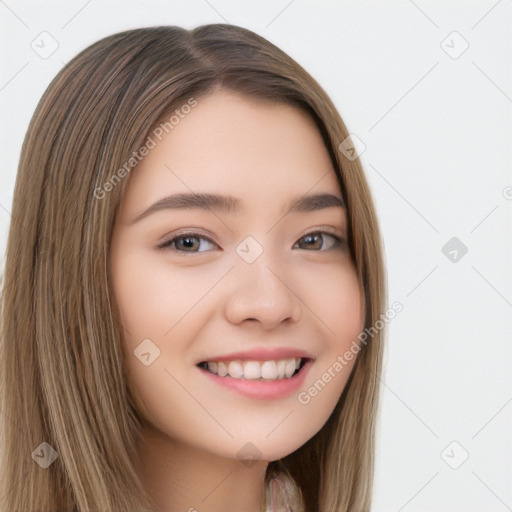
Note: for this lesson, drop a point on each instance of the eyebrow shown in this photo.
(233, 205)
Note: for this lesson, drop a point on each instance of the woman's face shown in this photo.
(253, 278)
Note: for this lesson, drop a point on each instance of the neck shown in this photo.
(184, 478)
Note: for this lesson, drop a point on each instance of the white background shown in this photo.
(437, 131)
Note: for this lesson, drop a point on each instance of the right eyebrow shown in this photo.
(202, 201)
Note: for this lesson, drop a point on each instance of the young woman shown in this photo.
(190, 265)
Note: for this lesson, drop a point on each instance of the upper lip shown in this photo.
(262, 354)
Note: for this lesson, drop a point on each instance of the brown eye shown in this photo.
(319, 241)
(187, 243)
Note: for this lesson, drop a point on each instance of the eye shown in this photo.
(188, 242)
(321, 241)
(194, 242)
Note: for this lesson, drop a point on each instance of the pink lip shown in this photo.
(261, 354)
(262, 390)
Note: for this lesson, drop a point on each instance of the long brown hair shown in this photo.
(61, 370)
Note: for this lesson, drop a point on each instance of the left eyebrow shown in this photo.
(233, 205)
(315, 202)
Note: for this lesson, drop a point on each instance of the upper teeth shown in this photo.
(255, 369)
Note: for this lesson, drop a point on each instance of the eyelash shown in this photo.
(339, 243)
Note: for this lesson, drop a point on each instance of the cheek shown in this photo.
(152, 299)
(339, 308)
(337, 302)
(142, 298)
(159, 320)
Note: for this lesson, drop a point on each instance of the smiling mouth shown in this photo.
(269, 370)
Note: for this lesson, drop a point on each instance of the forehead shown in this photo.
(231, 144)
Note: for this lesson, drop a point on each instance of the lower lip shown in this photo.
(263, 390)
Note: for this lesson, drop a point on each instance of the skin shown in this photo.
(300, 292)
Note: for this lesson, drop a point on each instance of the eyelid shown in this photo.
(329, 231)
(181, 234)
(338, 233)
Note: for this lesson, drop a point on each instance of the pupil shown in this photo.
(188, 242)
(311, 239)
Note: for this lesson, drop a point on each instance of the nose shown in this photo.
(260, 293)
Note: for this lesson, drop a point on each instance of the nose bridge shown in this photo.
(261, 291)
